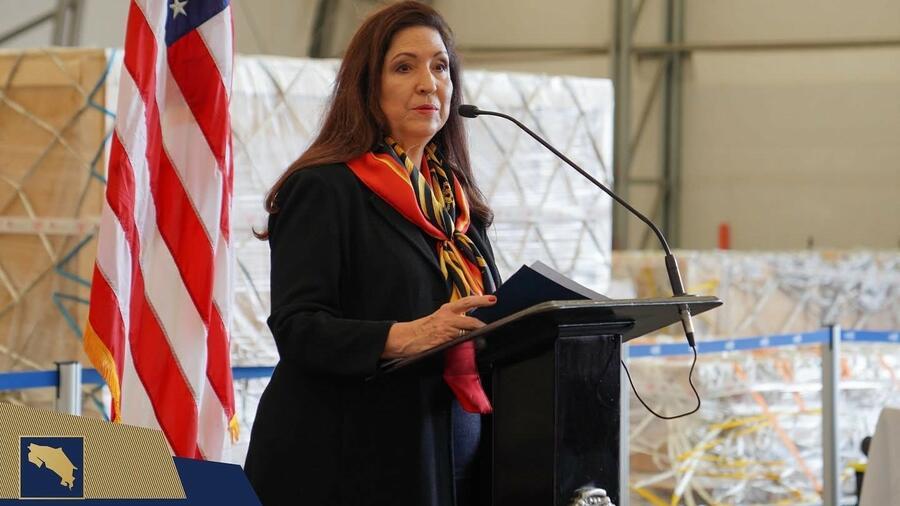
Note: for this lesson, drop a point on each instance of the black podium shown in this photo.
(553, 374)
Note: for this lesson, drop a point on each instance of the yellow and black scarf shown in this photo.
(433, 199)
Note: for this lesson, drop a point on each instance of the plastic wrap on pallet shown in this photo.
(774, 293)
(52, 130)
(757, 439)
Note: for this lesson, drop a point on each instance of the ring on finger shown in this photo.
(462, 332)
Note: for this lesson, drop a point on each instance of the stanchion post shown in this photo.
(624, 430)
(831, 380)
(68, 391)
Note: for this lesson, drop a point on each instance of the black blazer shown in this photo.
(345, 267)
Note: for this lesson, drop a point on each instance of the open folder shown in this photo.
(532, 285)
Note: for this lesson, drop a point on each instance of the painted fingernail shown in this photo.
(492, 298)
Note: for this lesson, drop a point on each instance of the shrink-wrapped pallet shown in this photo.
(53, 125)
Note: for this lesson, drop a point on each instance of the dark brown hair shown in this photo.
(354, 123)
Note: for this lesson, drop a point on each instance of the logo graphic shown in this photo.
(51, 467)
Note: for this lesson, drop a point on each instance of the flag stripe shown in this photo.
(193, 161)
(217, 35)
(117, 253)
(218, 373)
(178, 318)
(218, 366)
(137, 408)
(211, 440)
(195, 71)
(120, 194)
(227, 191)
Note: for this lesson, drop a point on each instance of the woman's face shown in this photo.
(416, 86)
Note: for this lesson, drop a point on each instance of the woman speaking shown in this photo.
(378, 249)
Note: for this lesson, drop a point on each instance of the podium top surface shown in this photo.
(630, 318)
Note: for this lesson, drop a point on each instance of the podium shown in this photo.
(553, 375)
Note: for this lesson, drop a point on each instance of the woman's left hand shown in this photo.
(448, 322)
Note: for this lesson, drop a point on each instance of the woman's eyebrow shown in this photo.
(413, 55)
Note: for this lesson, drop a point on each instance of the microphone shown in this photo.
(471, 111)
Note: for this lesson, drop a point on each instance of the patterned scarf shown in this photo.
(433, 200)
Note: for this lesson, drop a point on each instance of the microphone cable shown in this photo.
(690, 381)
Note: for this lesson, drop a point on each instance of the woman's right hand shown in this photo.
(410, 338)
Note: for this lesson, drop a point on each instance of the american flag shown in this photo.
(161, 295)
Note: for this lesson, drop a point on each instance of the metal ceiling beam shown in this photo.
(645, 50)
(27, 26)
(585, 50)
(646, 109)
(651, 50)
(66, 19)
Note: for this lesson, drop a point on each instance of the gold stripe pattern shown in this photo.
(120, 461)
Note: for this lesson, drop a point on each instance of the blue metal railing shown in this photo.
(21, 380)
(47, 379)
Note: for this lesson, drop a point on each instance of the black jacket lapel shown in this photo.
(409, 231)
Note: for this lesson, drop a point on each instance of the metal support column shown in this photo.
(831, 378)
(68, 391)
(73, 37)
(65, 19)
(322, 29)
(621, 117)
(672, 124)
(59, 22)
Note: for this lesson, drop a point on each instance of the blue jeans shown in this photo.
(466, 437)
